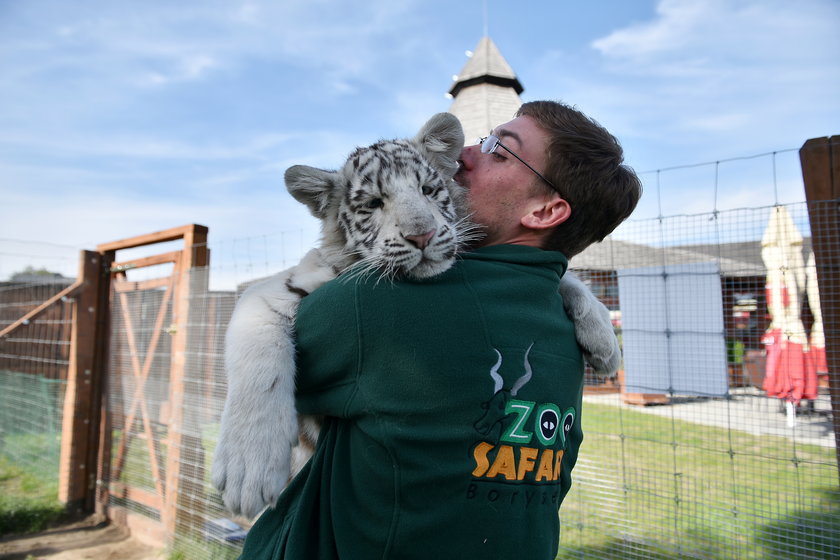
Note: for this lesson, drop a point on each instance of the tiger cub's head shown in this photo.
(393, 205)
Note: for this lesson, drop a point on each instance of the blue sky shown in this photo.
(119, 118)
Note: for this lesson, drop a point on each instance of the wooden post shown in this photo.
(80, 425)
(103, 451)
(185, 459)
(820, 158)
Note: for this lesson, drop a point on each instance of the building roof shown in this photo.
(486, 65)
(734, 259)
(744, 251)
(486, 91)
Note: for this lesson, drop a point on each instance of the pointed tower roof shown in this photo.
(486, 66)
(486, 91)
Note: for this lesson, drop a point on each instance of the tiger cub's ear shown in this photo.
(441, 140)
(312, 186)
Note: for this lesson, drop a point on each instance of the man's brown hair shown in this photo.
(585, 164)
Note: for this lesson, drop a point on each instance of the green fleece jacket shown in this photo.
(452, 416)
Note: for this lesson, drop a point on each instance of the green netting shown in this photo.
(30, 421)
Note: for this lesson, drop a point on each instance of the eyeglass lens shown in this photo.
(489, 144)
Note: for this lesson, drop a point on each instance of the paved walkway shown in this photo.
(746, 409)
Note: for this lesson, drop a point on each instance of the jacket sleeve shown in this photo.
(328, 350)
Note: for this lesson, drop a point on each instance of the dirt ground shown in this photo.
(87, 539)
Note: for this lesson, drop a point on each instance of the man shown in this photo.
(453, 407)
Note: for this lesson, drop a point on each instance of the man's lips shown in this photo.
(459, 175)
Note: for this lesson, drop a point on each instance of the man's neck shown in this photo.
(528, 239)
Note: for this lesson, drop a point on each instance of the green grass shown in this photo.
(653, 487)
(30, 442)
(186, 548)
(646, 487)
(28, 503)
(137, 466)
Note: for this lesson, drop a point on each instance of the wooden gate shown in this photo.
(143, 440)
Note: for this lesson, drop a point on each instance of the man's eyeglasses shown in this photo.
(491, 142)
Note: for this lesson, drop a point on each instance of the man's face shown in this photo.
(501, 188)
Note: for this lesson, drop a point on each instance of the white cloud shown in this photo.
(154, 114)
(119, 44)
(720, 77)
(192, 67)
(157, 80)
(80, 143)
(702, 36)
(84, 221)
(413, 108)
(672, 30)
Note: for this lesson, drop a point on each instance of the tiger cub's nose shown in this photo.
(421, 240)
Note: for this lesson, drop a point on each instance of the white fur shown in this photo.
(593, 326)
(259, 422)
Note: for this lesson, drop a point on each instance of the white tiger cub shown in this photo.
(394, 208)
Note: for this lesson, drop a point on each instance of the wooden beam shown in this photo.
(68, 291)
(162, 258)
(144, 529)
(820, 158)
(125, 286)
(144, 497)
(77, 467)
(152, 238)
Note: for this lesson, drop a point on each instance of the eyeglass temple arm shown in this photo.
(537, 173)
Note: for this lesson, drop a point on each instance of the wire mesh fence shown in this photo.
(33, 374)
(163, 431)
(715, 440)
(721, 442)
(699, 448)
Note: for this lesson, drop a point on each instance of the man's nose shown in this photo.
(468, 155)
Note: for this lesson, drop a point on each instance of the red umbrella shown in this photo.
(817, 363)
(787, 375)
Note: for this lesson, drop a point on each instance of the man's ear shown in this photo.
(547, 214)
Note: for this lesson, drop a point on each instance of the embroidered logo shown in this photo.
(520, 437)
